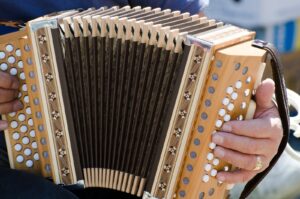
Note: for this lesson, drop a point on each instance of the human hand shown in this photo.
(244, 143)
(8, 96)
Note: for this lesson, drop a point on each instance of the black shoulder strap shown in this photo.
(281, 98)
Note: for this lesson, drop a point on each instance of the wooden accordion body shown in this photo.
(128, 98)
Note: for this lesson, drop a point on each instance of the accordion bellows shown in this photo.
(128, 98)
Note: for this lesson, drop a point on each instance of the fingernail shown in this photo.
(3, 125)
(219, 152)
(226, 128)
(15, 84)
(218, 139)
(18, 106)
(221, 178)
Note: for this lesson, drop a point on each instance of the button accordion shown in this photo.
(128, 98)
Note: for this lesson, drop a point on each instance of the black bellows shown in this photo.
(122, 94)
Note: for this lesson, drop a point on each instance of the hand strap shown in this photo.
(281, 98)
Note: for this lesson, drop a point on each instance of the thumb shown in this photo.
(264, 94)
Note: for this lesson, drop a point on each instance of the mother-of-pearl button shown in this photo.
(20, 64)
(36, 156)
(238, 84)
(226, 168)
(225, 101)
(205, 178)
(207, 167)
(28, 110)
(247, 92)
(32, 133)
(230, 107)
(25, 140)
(210, 156)
(13, 114)
(21, 117)
(9, 48)
(27, 152)
(243, 105)
(234, 96)
(20, 158)
(26, 99)
(212, 145)
(23, 129)
(213, 172)
(22, 76)
(4, 66)
(13, 71)
(34, 145)
(16, 135)
(226, 118)
(24, 87)
(30, 122)
(248, 80)
(11, 59)
(18, 52)
(222, 112)
(219, 123)
(29, 163)
(18, 147)
(216, 162)
(14, 124)
(229, 90)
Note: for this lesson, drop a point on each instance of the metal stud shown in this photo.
(49, 77)
(172, 150)
(65, 171)
(197, 59)
(42, 39)
(162, 186)
(55, 115)
(192, 77)
(182, 114)
(167, 168)
(52, 96)
(187, 95)
(58, 133)
(177, 132)
(45, 58)
(62, 152)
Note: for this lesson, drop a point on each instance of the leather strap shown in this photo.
(281, 98)
(11, 23)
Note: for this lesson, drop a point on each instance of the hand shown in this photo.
(241, 142)
(8, 96)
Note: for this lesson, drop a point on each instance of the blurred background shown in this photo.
(278, 22)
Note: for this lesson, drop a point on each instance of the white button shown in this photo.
(28, 110)
(234, 96)
(208, 167)
(2, 55)
(4, 66)
(34, 145)
(32, 133)
(13, 71)
(18, 52)
(27, 152)
(29, 163)
(24, 87)
(30, 122)
(205, 178)
(13, 114)
(20, 158)
(212, 145)
(216, 162)
(14, 124)
(18, 147)
(226, 118)
(20, 64)
(25, 140)
(9, 48)
(226, 168)
(219, 123)
(23, 129)
(20, 95)
(11, 59)
(26, 99)
(222, 112)
(21, 117)
(22, 76)
(248, 80)
(210, 156)
(225, 101)
(16, 135)
(243, 105)
(229, 90)
(213, 172)
(247, 92)
(230, 107)
(238, 84)
(36, 156)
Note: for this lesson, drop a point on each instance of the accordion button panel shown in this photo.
(231, 102)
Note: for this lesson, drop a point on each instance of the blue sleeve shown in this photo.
(191, 6)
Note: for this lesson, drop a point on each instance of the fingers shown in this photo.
(3, 125)
(8, 82)
(7, 95)
(264, 94)
(240, 160)
(237, 176)
(9, 107)
(243, 144)
(256, 128)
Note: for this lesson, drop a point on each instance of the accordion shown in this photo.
(128, 98)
